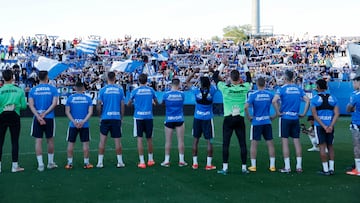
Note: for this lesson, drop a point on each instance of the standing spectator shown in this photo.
(111, 108)
(354, 107)
(326, 112)
(260, 101)
(78, 109)
(2, 56)
(153, 83)
(33, 77)
(203, 118)
(12, 100)
(143, 98)
(234, 99)
(290, 96)
(43, 99)
(23, 76)
(174, 119)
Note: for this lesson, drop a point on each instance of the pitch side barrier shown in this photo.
(341, 90)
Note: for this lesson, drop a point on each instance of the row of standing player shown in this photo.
(43, 98)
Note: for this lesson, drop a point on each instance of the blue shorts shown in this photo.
(173, 125)
(205, 127)
(289, 128)
(323, 137)
(143, 126)
(258, 130)
(73, 132)
(38, 130)
(111, 125)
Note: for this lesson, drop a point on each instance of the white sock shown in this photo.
(225, 166)
(298, 162)
(272, 161)
(195, 160)
(357, 164)
(287, 163)
(100, 158)
(243, 167)
(167, 159)
(325, 166)
(181, 158)
(331, 165)
(208, 161)
(40, 160)
(70, 160)
(50, 158)
(15, 165)
(141, 157)
(150, 156)
(253, 162)
(313, 141)
(119, 158)
(86, 160)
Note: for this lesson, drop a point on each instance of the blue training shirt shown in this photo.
(143, 102)
(79, 106)
(355, 102)
(260, 101)
(203, 107)
(290, 96)
(174, 102)
(111, 96)
(43, 95)
(325, 115)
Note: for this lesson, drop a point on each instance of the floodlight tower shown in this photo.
(256, 16)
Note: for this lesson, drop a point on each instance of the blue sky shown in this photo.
(173, 18)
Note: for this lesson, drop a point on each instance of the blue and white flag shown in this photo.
(127, 66)
(163, 56)
(88, 46)
(53, 67)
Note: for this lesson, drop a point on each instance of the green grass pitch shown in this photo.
(174, 184)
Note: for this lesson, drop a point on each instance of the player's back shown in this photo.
(174, 102)
(291, 96)
(143, 99)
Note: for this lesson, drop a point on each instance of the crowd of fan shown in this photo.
(268, 57)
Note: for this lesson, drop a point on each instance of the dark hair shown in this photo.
(322, 84)
(16, 66)
(235, 75)
(43, 75)
(261, 82)
(357, 78)
(175, 82)
(7, 74)
(111, 76)
(289, 75)
(79, 84)
(142, 78)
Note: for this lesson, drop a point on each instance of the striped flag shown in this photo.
(88, 46)
(53, 67)
(128, 66)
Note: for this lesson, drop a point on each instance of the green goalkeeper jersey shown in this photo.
(234, 98)
(12, 98)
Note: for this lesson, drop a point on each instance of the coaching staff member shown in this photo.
(12, 100)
